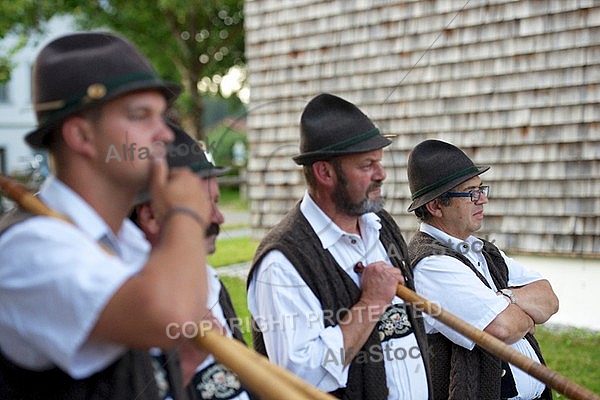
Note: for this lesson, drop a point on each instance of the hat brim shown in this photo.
(427, 197)
(170, 90)
(374, 143)
(214, 172)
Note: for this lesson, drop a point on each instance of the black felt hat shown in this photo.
(185, 151)
(331, 126)
(82, 70)
(435, 167)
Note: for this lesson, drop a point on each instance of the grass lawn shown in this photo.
(233, 251)
(237, 291)
(230, 199)
(573, 353)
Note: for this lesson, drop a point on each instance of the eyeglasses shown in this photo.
(473, 194)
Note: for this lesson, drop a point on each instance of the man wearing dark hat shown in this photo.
(84, 300)
(471, 278)
(207, 378)
(323, 282)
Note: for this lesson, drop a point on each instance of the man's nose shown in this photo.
(164, 134)
(483, 199)
(380, 174)
(216, 215)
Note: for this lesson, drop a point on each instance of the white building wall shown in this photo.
(17, 116)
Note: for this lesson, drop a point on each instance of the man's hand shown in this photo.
(378, 283)
(177, 187)
(378, 287)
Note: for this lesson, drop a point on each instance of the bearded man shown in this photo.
(337, 326)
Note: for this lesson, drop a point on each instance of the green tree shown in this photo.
(187, 40)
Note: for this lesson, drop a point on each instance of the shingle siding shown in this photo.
(516, 84)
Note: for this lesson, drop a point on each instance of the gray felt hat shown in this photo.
(331, 126)
(83, 70)
(435, 167)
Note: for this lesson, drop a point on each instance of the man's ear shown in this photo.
(78, 135)
(434, 207)
(146, 219)
(324, 173)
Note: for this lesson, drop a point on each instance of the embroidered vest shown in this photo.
(335, 290)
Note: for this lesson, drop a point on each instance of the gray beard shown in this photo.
(342, 201)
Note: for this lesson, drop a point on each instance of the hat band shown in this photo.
(95, 91)
(200, 166)
(441, 182)
(354, 140)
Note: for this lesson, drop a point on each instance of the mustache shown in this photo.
(213, 229)
(375, 185)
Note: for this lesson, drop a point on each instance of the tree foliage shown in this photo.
(187, 40)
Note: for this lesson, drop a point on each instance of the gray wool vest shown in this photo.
(458, 373)
(332, 286)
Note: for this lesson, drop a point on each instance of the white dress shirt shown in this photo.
(55, 280)
(455, 287)
(291, 317)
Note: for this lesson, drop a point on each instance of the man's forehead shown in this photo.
(142, 98)
(472, 183)
(369, 155)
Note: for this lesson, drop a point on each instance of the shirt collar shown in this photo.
(62, 199)
(462, 246)
(327, 231)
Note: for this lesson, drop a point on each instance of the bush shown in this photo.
(227, 146)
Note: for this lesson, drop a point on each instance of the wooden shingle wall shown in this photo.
(516, 84)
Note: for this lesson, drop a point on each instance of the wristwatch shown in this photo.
(509, 293)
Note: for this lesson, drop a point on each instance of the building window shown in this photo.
(3, 93)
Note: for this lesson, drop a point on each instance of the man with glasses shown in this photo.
(471, 278)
